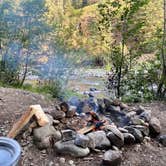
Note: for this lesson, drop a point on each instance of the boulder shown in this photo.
(128, 138)
(131, 114)
(146, 115)
(81, 140)
(122, 130)
(45, 131)
(107, 103)
(140, 109)
(114, 135)
(162, 140)
(136, 121)
(68, 135)
(44, 135)
(98, 139)
(112, 158)
(154, 126)
(143, 129)
(136, 133)
(115, 140)
(114, 108)
(70, 148)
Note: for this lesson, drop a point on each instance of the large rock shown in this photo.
(45, 131)
(137, 121)
(112, 158)
(98, 139)
(70, 148)
(136, 133)
(115, 136)
(44, 135)
(117, 141)
(146, 115)
(162, 140)
(128, 138)
(143, 129)
(81, 140)
(154, 126)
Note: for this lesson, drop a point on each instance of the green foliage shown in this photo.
(8, 75)
(54, 88)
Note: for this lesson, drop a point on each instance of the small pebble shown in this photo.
(71, 162)
(62, 160)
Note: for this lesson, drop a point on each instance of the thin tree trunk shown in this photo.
(163, 57)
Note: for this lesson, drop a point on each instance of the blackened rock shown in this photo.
(107, 103)
(98, 139)
(154, 126)
(136, 133)
(162, 140)
(114, 108)
(68, 135)
(81, 140)
(70, 148)
(58, 115)
(112, 158)
(128, 138)
(92, 89)
(64, 107)
(140, 110)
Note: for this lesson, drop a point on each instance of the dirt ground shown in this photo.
(14, 102)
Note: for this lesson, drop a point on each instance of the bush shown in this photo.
(54, 88)
(9, 76)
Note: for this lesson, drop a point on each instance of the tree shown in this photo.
(25, 30)
(119, 17)
(161, 89)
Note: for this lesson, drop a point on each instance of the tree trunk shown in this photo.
(163, 58)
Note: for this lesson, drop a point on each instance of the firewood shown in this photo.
(34, 110)
(86, 129)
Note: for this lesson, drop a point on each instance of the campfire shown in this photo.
(77, 129)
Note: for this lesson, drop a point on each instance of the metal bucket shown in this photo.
(10, 152)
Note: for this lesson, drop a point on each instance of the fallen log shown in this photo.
(34, 110)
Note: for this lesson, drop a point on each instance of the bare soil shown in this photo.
(14, 102)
